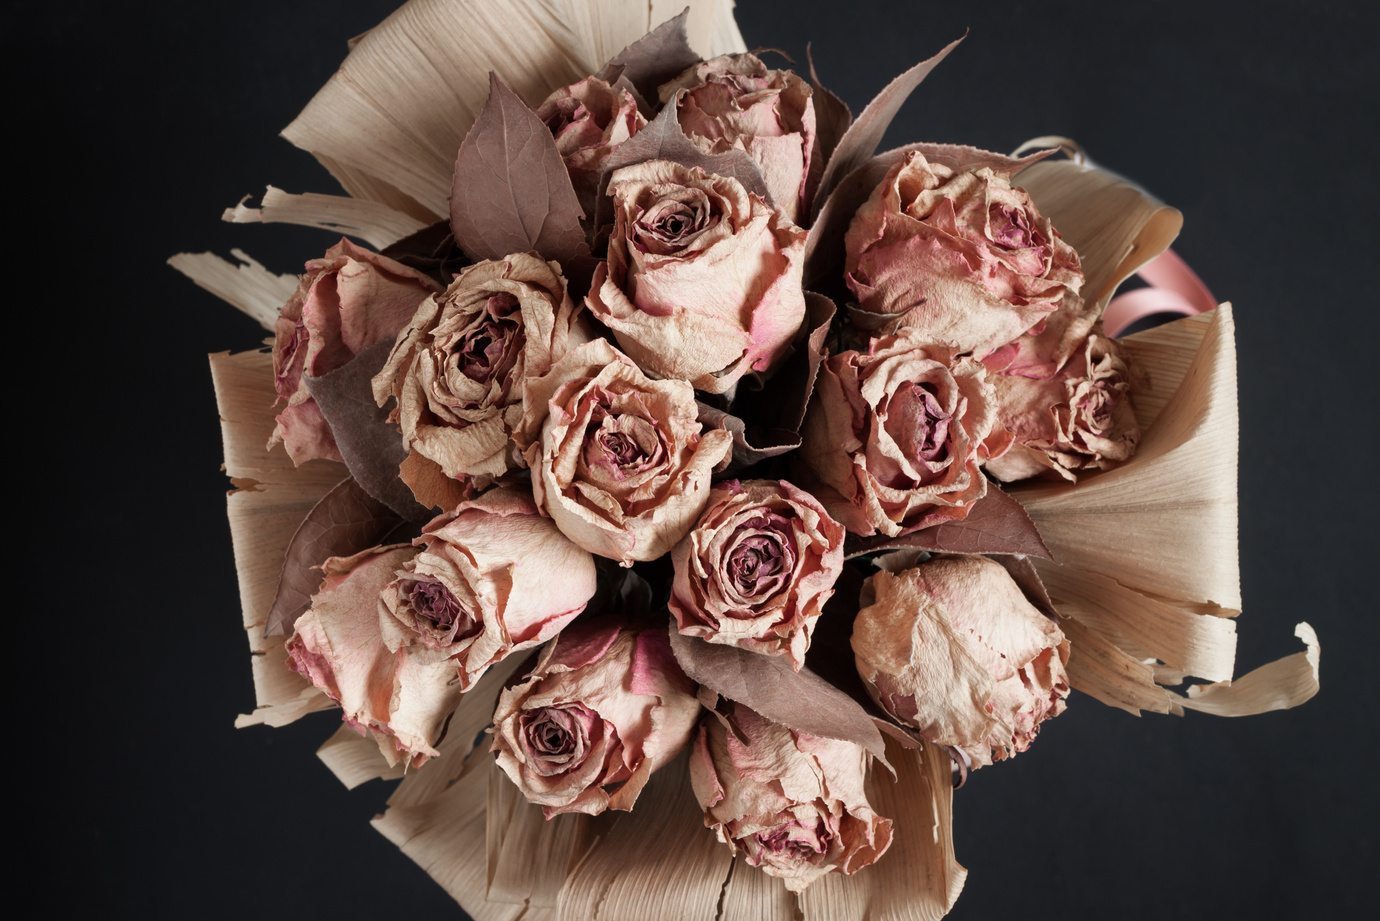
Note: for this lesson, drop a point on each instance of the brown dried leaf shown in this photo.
(801, 701)
(371, 445)
(656, 58)
(511, 192)
(832, 115)
(860, 141)
(345, 521)
(996, 524)
(1023, 573)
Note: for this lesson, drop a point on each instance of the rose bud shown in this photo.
(735, 102)
(1080, 419)
(605, 706)
(618, 461)
(404, 698)
(900, 432)
(960, 256)
(347, 301)
(794, 804)
(953, 648)
(703, 280)
(492, 577)
(757, 569)
(458, 366)
(589, 120)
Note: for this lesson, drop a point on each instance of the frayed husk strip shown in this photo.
(1107, 674)
(388, 124)
(528, 856)
(355, 759)
(377, 224)
(248, 287)
(1280, 685)
(270, 500)
(918, 878)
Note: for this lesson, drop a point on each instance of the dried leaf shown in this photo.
(997, 524)
(860, 141)
(431, 250)
(371, 445)
(800, 700)
(345, 521)
(832, 116)
(377, 224)
(1023, 573)
(511, 192)
(656, 58)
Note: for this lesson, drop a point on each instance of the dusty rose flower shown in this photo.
(347, 301)
(589, 120)
(491, 577)
(735, 102)
(900, 432)
(458, 366)
(953, 648)
(405, 699)
(960, 256)
(1080, 419)
(794, 804)
(605, 707)
(618, 461)
(703, 281)
(757, 569)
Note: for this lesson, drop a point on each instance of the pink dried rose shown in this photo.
(619, 461)
(900, 432)
(735, 102)
(404, 698)
(703, 280)
(491, 577)
(953, 648)
(794, 804)
(589, 120)
(605, 707)
(960, 256)
(1079, 419)
(347, 301)
(457, 367)
(757, 569)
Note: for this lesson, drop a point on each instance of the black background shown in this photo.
(134, 125)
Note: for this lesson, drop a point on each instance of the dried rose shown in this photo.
(735, 102)
(491, 577)
(900, 432)
(757, 569)
(618, 461)
(794, 804)
(703, 280)
(961, 256)
(458, 366)
(953, 648)
(605, 707)
(404, 698)
(347, 301)
(589, 120)
(1080, 419)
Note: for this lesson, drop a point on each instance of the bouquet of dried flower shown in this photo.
(671, 459)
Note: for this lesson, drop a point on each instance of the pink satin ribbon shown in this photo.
(1174, 288)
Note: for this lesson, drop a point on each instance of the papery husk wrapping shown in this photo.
(248, 287)
(269, 502)
(388, 124)
(377, 224)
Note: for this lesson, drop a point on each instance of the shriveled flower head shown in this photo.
(1079, 419)
(900, 432)
(589, 120)
(493, 576)
(605, 707)
(960, 256)
(403, 697)
(618, 461)
(703, 280)
(953, 648)
(458, 366)
(735, 102)
(793, 804)
(347, 301)
(756, 570)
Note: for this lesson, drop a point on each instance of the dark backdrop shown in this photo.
(138, 123)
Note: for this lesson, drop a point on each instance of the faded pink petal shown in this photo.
(589, 121)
